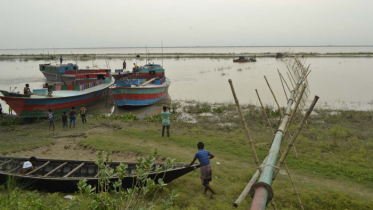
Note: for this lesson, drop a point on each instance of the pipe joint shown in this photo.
(266, 186)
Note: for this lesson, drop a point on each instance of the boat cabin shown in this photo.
(149, 70)
(57, 69)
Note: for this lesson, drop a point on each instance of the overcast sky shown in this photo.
(139, 23)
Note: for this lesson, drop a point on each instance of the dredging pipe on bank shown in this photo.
(262, 192)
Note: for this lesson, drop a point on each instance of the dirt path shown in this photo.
(68, 147)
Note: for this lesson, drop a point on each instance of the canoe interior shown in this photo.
(88, 170)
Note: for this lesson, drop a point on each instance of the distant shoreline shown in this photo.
(291, 46)
(179, 55)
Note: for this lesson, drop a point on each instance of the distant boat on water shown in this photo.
(68, 72)
(147, 85)
(73, 93)
(242, 59)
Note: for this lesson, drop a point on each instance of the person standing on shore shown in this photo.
(72, 115)
(124, 64)
(51, 119)
(64, 121)
(204, 157)
(1, 112)
(166, 121)
(10, 110)
(61, 59)
(82, 111)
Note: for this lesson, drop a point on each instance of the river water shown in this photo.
(341, 83)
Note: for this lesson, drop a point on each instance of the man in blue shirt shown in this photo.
(204, 157)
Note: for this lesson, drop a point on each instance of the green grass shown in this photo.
(333, 170)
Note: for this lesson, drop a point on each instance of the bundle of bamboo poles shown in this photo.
(261, 190)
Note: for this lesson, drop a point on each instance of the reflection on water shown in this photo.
(341, 83)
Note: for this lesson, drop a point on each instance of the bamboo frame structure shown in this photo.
(286, 166)
(282, 84)
(262, 191)
(244, 125)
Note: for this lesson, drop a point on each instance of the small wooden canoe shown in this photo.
(63, 175)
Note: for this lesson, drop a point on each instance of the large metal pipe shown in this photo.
(262, 191)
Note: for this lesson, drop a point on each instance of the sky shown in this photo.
(138, 23)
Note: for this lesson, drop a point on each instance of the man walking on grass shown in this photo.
(204, 157)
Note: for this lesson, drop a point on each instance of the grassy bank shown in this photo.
(333, 170)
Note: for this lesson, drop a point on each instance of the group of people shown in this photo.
(72, 116)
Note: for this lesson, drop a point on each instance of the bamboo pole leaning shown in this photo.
(282, 84)
(244, 125)
(278, 106)
(299, 128)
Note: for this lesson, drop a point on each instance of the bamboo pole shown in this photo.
(279, 108)
(244, 125)
(264, 111)
(290, 80)
(282, 84)
(273, 203)
(285, 82)
(299, 128)
(248, 186)
(292, 76)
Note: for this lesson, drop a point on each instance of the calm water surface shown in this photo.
(341, 83)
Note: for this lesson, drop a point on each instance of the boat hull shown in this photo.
(38, 107)
(129, 96)
(58, 182)
(57, 77)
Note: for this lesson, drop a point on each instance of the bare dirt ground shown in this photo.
(67, 146)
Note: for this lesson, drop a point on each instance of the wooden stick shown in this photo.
(264, 111)
(14, 169)
(290, 80)
(282, 83)
(37, 169)
(248, 186)
(273, 204)
(52, 171)
(285, 82)
(279, 108)
(292, 182)
(295, 82)
(98, 174)
(8, 161)
(244, 125)
(75, 169)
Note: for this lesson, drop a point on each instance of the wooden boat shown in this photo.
(64, 175)
(242, 59)
(74, 93)
(279, 55)
(67, 72)
(147, 85)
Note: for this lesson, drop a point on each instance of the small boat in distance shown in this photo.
(242, 59)
(83, 91)
(147, 85)
(67, 72)
(64, 175)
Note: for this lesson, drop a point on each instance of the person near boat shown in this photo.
(28, 165)
(204, 157)
(135, 66)
(124, 64)
(26, 90)
(72, 115)
(64, 121)
(10, 110)
(61, 59)
(166, 120)
(82, 111)
(119, 76)
(51, 119)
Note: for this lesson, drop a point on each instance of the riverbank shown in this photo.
(333, 170)
(82, 57)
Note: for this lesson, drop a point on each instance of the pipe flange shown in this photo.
(264, 185)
